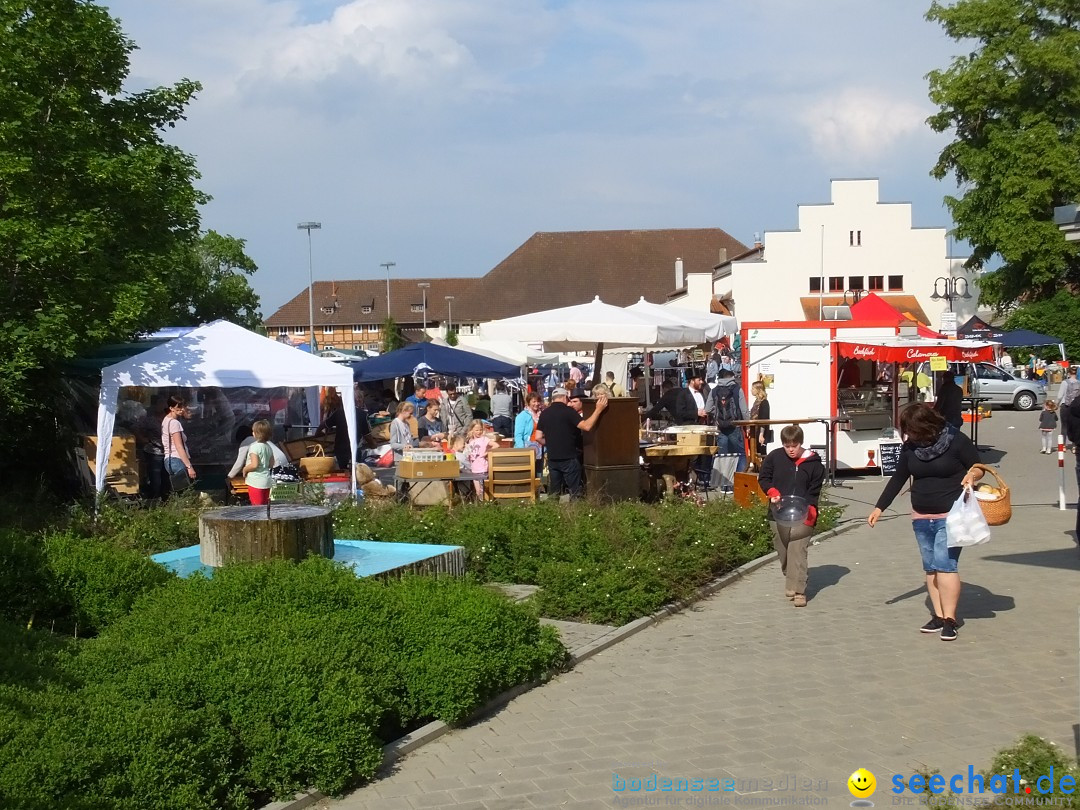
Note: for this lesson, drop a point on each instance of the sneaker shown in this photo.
(789, 594)
(799, 600)
(933, 626)
(948, 629)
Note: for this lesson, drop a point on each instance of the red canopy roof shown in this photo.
(873, 307)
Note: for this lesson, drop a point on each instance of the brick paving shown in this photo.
(743, 686)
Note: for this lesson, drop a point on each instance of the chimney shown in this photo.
(680, 279)
(723, 256)
(758, 244)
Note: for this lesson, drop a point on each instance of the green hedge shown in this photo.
(264, 680)
(69, 583)
(607, 564)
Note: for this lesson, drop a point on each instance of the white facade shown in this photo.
(854, 242)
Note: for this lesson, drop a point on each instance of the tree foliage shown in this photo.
(1058, 316)
(99, 216)
(391, 336)
(1013, 104)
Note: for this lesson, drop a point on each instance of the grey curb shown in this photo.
(435, 729)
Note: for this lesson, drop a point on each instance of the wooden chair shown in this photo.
(511, 474)
(122, 471)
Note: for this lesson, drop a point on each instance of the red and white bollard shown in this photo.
(1061, 472)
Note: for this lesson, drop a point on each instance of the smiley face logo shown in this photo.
(862, 784)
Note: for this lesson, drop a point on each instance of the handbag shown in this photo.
(179, 480)
(965, 524)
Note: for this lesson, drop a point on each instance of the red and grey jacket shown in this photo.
(803, 476)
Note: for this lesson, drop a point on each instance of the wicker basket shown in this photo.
(318, 463)
(997, 509)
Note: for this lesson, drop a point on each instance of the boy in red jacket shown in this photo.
(792, 470)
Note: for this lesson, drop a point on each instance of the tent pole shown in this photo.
(599, 359)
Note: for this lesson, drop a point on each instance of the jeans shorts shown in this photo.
(934, 549)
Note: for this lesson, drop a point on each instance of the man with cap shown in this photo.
(560, 425)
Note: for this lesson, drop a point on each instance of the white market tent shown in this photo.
(582, 327)
(715, 326)
(219, 354)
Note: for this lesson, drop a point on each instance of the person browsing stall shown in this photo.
(560, 427)
(260, 461)
(174, 439)
(401, 436)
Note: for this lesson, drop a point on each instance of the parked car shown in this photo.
(1002, 388)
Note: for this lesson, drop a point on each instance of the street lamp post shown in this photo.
(388, 265)
(309, 227)
(449, 314)
(952, 289)
(423, 285)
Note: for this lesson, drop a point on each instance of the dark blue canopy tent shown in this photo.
(979, 329)
(437, 359)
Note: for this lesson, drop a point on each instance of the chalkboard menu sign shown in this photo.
(889, 456)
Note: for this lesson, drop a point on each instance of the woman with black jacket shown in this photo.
(939, 463)
(793, 470)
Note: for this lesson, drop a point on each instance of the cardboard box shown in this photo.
(428, 469)
(696, 439)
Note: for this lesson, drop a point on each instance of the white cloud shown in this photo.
(861, 123)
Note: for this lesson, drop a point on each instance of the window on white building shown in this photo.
(855, 283)
(815, 284)
(877, 283)
(896, 283)
(836, 284)
(855, 238)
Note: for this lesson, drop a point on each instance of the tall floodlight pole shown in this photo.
(309, 227)
(388, 265)
(423, 285)
(449, 314)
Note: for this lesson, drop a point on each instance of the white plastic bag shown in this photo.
(966, 525)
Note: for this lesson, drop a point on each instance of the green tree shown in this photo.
(209, 281)
(391, 336)
(451, 337)
(94, 205)
(1012, 103)
(1056, 316)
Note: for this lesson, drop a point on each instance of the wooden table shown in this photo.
(668, 463)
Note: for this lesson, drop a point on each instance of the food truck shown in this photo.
(850, 377)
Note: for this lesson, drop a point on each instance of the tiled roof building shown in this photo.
(549, 270)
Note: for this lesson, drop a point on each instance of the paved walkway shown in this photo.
(745, 687)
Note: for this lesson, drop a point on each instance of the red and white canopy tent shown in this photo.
(916, 350)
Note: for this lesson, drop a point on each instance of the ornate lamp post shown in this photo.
(952, 289)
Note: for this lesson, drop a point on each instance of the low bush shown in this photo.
(148, 528)
(69, 583)
(261, 681)
(607, 564)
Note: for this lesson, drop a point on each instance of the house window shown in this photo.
(416, 308)
(815, 284)
(328, 330)
(298, 330)
(372, 327)
(896, 283)
(855, 238)
(468, 328)
(877, 283)
(366, 309)
(373, 347)
(358, 347)
(283, 330)
(358, 328)
(855, 283)
(328, 348)
(836, 283)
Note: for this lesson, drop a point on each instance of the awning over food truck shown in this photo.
(906, 350)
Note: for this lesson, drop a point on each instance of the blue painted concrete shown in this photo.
(365, 557)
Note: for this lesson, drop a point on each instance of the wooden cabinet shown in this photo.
(613, 442)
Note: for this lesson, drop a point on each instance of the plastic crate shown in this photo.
(286, 493)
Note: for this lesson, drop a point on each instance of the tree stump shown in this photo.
(243, 534)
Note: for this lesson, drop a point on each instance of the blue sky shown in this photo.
(441, 134)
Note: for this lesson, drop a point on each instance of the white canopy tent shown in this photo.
(224, 355)
(582, 327)
(715, 326)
